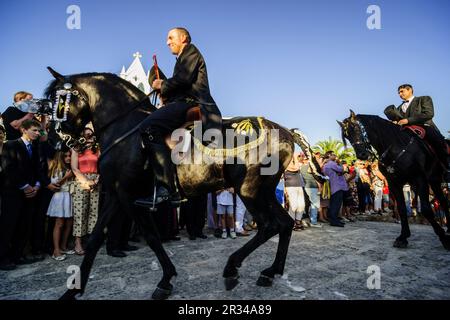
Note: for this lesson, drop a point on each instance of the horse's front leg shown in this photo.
(401, 241)
(150, 233)
(110, 208)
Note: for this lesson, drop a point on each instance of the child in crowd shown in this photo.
(225, 211)
(386, 198)
(61, 205)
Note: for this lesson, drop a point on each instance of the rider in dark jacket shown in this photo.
(188, 87)
(418, 111)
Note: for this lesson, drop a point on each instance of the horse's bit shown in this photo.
(61, 109)
(365, 140)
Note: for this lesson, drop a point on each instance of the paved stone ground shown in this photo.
(327, 263)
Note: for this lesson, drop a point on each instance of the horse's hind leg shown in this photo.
(230, 273)
(147, 226)
(285, 225)
(269, 222)
(108, 209)
(443, 202)
(428, 213)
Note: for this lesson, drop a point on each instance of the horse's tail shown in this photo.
(302, 142)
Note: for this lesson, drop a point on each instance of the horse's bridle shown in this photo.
(69, 140)
(365, 140)
(80, 143)
(61, 109)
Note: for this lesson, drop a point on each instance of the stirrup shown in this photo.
(151, 203)
(177, 202)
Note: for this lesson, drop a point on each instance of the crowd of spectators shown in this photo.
(50, 199)
(352, 189)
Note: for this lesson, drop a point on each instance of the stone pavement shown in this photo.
(326, 263)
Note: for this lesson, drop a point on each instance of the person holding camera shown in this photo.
(14, 116)
(23, 108)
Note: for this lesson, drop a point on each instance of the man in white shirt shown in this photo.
(418, 111)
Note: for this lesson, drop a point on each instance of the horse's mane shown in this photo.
(384, 129)
(109, 77)
(369, 119)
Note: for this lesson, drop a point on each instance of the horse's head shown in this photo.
(71, 111)
(353, 131)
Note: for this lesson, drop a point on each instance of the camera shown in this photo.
(44, 107)
(37, 106)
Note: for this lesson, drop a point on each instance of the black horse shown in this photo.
(403, 158)
(116, 108)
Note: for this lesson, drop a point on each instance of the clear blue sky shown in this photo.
(299, 63)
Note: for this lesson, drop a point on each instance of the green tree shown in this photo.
(337, 146)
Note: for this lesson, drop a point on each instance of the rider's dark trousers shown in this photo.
(160, 123)
(437, 142)
(166, 119)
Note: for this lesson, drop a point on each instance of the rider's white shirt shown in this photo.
(405, 105)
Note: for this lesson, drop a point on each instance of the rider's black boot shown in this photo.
(163, 168)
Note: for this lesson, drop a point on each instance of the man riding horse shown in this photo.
(188, 87)
(419, 111)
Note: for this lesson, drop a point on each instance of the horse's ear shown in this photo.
(352, 115)
(55, 74)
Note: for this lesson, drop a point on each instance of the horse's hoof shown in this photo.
(400, 244)
(231, 282)
(70, 295)
(161, 294)
(264, 281)
(446, 242)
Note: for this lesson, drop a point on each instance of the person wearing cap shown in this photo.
(419, 111)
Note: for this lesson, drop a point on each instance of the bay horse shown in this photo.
(403, 158)
(116, 108)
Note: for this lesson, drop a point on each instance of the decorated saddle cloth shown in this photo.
(239, 134)
(418, 130)
(421, 133)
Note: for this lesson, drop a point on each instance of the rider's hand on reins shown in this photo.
(156, 84)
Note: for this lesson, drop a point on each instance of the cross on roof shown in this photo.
(137, 55)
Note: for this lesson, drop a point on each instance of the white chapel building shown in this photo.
(136, 74)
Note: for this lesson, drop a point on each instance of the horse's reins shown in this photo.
(130, 132)
(390, 168)
(138, 104)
